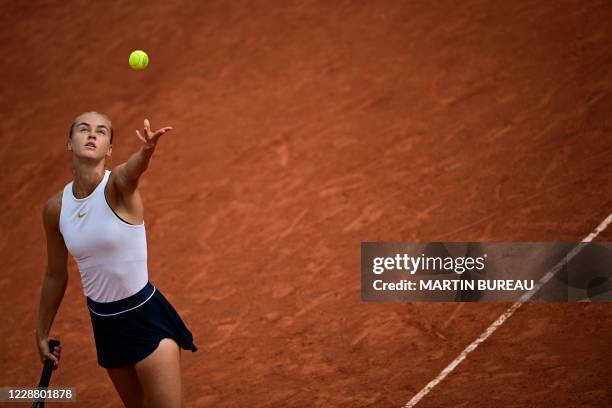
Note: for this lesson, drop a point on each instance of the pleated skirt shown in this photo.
(128, 330)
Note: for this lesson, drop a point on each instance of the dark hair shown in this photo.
(97, 113)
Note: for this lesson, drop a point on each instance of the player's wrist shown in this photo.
(40, 335)
(147, 151)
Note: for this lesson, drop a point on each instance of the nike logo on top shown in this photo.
(82, 214)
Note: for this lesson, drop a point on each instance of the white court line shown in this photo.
(501, 319)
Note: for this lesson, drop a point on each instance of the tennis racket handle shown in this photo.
(53, 344)
(45, 376)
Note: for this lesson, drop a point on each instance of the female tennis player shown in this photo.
(98, 218)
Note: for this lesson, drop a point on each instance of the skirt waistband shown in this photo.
(122, 305)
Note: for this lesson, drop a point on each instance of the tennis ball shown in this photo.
(139, 60)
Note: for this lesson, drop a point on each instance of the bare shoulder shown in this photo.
(52, 209)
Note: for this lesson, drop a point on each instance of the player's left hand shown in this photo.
(151, 138)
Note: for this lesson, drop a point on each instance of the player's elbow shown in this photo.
(57, 273)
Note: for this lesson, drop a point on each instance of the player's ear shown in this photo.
(69, 146)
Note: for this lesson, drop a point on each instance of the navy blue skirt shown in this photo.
(128, 330)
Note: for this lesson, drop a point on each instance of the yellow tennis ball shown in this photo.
(139, 60)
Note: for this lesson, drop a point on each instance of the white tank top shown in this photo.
(110, 253)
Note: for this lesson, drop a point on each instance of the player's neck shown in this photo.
(86, 179)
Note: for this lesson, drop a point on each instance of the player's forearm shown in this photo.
(137, 164)
(51, 296)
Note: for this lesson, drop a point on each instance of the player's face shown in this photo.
(91, 136)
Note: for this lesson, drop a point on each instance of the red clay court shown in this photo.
(301, 129)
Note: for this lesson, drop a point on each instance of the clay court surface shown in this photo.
(302, 129)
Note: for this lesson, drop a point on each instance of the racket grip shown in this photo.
(53, 344)
(45, 377)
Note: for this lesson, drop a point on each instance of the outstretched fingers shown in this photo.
(160, 132)
(140, 136)
(151, 137)
(147, 127)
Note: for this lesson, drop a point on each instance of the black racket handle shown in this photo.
(48, 365)
(45, 377)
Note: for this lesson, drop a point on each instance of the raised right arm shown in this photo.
(56, 276)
